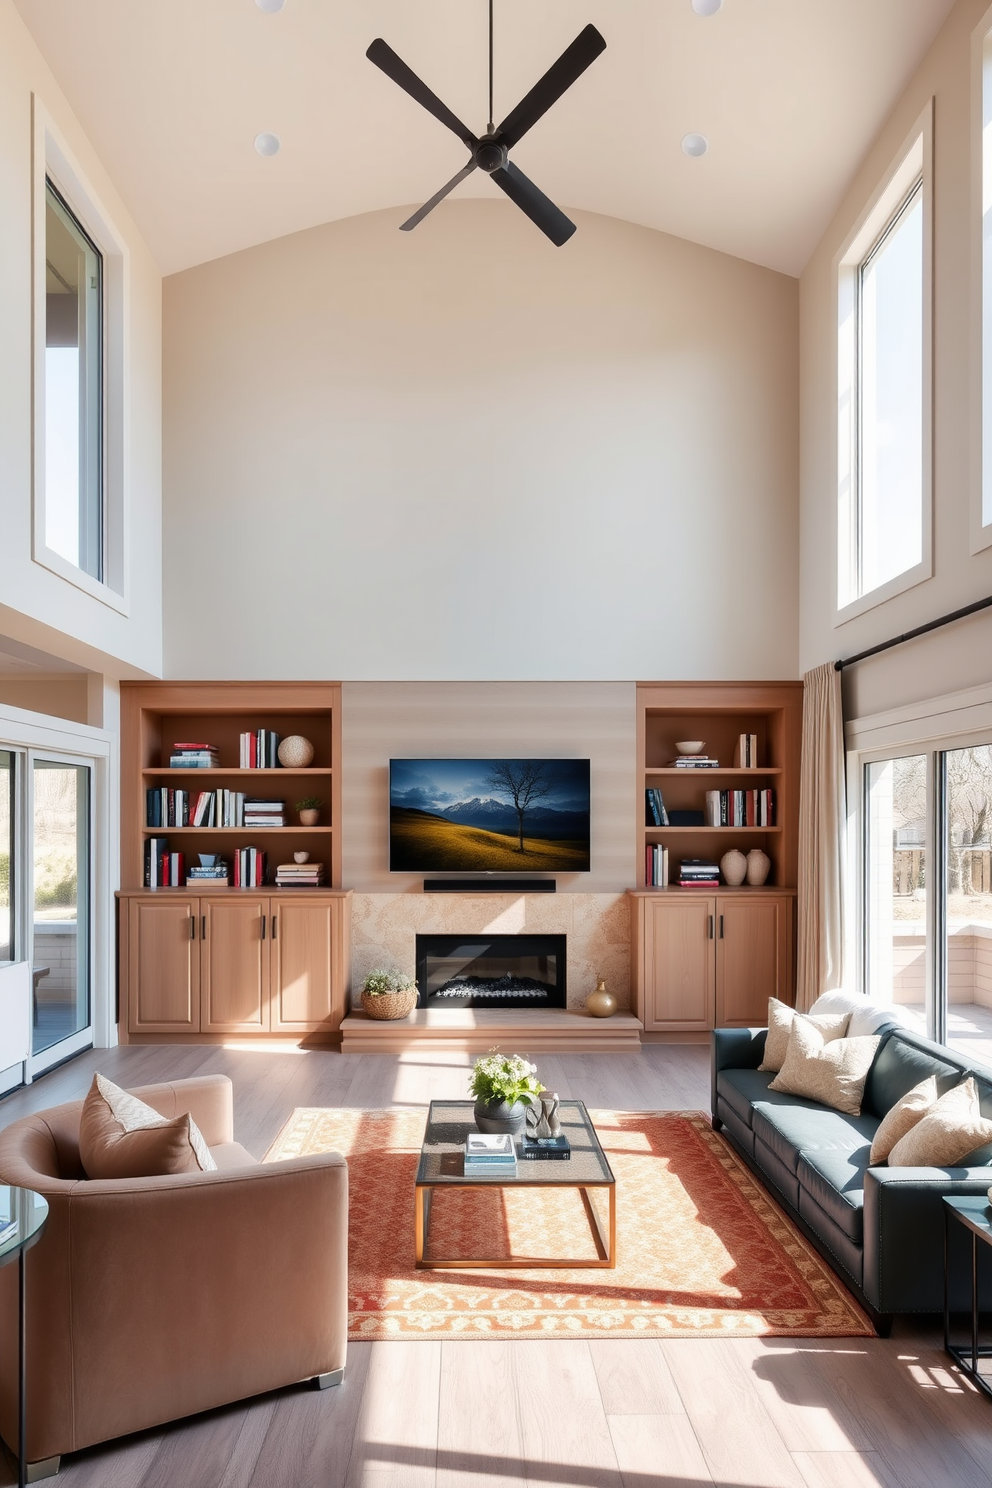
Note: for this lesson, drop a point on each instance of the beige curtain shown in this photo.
(822, 822)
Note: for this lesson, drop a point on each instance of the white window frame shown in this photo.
(36, 735)
(52, 159)
(981, 350)
(912, 162)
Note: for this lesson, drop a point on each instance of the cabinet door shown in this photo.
(678, 962)
(753, 958)
(163, 966)
(234, 965)
(303, 957)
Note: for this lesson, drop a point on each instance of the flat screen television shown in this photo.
(489, 815)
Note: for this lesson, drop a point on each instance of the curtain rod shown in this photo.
(980, 604)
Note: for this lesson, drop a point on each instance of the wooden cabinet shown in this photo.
(710, 960)
(230, 962)
(160, 961)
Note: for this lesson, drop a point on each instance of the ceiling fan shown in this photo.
(490, 152)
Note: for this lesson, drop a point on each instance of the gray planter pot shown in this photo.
(498, 1116)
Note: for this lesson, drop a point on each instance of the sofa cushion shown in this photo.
(833, 1072)
(952, 1133)
(902, 1117)
(836, 1180)
(740, 1088)
(902, 1063)
(866, 1017)
(780, 1017)
(803, 1126)
(122, 1137)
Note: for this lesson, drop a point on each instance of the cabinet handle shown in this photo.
(721, 927)
(273, 927)
(203, 928)
(263, 927)
(192, 927)
(710, 929)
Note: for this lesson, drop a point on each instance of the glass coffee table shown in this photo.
(442, 1166)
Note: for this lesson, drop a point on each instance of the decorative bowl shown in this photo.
(690, 746)
(390, 1005)
(301, 857)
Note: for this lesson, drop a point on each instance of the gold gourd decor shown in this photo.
(601, 1004)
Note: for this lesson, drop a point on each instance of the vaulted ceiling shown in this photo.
(788, 92)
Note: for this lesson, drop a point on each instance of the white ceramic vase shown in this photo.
(733, 866)
(758, 864)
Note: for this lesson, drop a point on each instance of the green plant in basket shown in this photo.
(309, 803)
(504, 1077)
(379, 982)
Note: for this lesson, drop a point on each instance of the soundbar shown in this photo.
(490, 885)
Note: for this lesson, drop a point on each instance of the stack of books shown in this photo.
(299, 875)
(260, 813)
(220, 808)
(165, 807)
(490, 1155)
(212, 873)
(656, 866)
(747, 752)
(694, 762)
(740, 808)
(699, 873)
(163, 869)
(259, 750)
(657, 816)
(546, 1149)
(194, 756)
(249, 868)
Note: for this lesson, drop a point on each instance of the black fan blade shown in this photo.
(438, 196)
(394, 67)
(558, 79)
(538, 207)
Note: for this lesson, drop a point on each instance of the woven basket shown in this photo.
(389, 1005)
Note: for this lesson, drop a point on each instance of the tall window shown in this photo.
(883, 390)
(6, 855)
(73, 389)
(984, 513)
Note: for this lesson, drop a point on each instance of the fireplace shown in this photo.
(491, 971)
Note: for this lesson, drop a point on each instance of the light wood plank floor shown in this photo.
(627, 1413)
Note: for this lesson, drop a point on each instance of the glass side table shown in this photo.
(22, 1214)
(974, 1213)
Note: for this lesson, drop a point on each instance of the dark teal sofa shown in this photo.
(881, 1229)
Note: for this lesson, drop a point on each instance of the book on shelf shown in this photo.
(699, 873)
(694, 762)
(163, 869)
(548, 1149)
(194, 756)
(166, 806)
(657, 816)
(747, 752)
(299, 875)
(656, 866)
(740, 808)
(260, 813)
(216, 879)
(249, 867)
(259, 749)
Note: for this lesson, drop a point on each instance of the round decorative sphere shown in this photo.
(295, 752)
(758, 865)
(733, 866)
(601, 1004)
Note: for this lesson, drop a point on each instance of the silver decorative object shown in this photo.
(543, 1124)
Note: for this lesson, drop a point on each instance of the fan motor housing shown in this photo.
(490, 155)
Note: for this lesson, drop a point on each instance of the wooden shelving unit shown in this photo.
(155, 714)
(719, 713)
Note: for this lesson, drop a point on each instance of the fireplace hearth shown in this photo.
(491, 971)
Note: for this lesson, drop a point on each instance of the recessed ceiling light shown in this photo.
(701, 7)
(692, 144)
(267, 144)
(271, 6)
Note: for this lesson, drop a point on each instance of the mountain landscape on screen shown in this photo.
(489, 815)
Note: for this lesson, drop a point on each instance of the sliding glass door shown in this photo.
(8, 942)
(926, 900)
(60, 963)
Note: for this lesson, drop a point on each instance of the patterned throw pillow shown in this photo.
(832, 1073)
(902, 1117)
(952, 1128)
(122, 1137)
(780, 1016)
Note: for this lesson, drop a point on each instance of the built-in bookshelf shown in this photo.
(718, 714)
(156, 715)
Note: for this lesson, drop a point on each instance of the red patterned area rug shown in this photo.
(702, 1251)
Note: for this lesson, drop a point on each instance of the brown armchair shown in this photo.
(149, 1299)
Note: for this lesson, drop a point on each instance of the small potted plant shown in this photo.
(504, 1085)
(309, 809)
(389, 994)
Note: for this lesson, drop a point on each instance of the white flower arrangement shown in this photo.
(504, 1077)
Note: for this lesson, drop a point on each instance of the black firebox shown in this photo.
(491, 971)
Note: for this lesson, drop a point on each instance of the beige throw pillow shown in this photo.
(832, 1073)
(122, 1137)
(780, 1016)
(902, 1117)
(953, 1127)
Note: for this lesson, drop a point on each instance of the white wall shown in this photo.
(959, 656)
(462, 453)
(36, 605)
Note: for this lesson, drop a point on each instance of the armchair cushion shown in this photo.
(122, 1137)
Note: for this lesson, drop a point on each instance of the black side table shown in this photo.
(28, 1211)
(975, 1214)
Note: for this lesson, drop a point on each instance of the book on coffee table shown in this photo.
(548, 1149)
